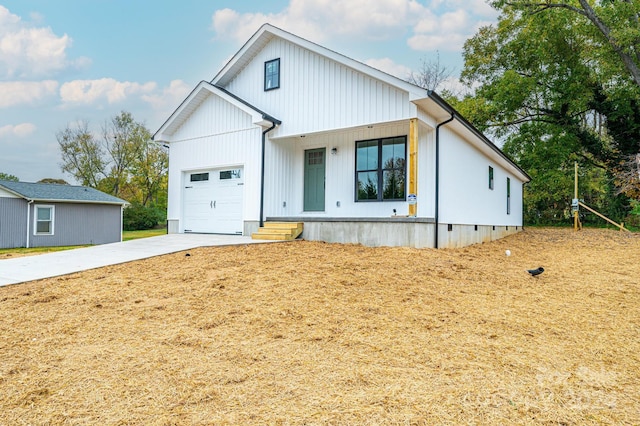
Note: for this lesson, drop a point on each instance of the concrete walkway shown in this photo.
(29, 268)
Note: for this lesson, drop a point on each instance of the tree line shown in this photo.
(121, 160)
(559, 82)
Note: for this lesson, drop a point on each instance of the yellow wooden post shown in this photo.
(413, 165)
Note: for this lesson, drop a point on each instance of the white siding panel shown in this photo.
(317, 93)
(465, 197)
(216, 135)
(213, 117)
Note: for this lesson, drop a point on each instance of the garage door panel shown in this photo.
(215, 204)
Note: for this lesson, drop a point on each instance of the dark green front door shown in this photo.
(314, 160)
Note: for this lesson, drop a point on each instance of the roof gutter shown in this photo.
(437, 201)
(274, 123)
(448, 108)
(29, 202)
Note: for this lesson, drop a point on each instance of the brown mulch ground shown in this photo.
(314, 333)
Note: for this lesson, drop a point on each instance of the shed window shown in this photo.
(381, 169)
(490, 177)
(43, 220)
(272, 74)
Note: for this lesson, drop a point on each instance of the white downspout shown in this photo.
(28, 219)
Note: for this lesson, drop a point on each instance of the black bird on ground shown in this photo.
(535, 272)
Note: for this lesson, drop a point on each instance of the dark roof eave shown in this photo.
(451, 110)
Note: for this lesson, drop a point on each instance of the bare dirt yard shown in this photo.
(313, 333)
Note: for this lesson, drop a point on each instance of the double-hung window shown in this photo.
(43, 220)
(272, 74)
(381, 169)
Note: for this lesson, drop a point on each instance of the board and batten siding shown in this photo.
(465, 197)
(13, 220)
(79, 224)
(284, 177)
(216, 135)
(317, 93)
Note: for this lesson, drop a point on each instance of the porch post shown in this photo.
(413, 164)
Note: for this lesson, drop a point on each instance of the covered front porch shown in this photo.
(321, 175)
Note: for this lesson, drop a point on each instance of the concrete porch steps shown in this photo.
(283, 231)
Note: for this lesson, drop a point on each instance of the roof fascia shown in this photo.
(17, 194)
(258, 117)
(471, 128)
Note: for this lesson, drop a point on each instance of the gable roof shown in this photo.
(268, 32)
(194, 100)
(56, 192)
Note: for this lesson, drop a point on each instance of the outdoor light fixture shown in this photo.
(334, 151)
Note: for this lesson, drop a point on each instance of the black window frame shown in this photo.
(380, 170)
(267, 75)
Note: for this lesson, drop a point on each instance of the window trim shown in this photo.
(37, 207)
(266, 63)
(380, 170)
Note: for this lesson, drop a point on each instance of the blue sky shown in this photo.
(69, 60)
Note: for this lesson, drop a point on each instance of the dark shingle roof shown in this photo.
(57, 192)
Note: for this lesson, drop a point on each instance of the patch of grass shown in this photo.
(126, 236)
(134, 235)
(21, 251)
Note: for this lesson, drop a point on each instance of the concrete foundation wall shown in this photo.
(466, 235)
(173, 226)
(372, 234)
(417, 234)
(250, 227)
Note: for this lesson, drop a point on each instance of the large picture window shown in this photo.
(381, 169)
(43, 220)
(272, 74)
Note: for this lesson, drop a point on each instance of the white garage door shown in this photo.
(213, 201)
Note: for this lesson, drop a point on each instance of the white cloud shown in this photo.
(28, 51)
(20, 130)
(105, 89)
(387, 65)
(14, 93)
(437, 25)
(170, 97)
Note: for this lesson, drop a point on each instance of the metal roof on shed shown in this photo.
(58, 192)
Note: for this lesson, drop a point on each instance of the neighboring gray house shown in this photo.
(47, 215)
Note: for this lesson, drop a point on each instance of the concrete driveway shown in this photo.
(29, 268)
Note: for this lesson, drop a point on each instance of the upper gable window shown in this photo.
(272, 74)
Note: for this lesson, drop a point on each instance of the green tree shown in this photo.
(558, 79)
(123, 139)
(6, 176)
(125, 162)
(149, 172)
(52, 180)
(82, 155)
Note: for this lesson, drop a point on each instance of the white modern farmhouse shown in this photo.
(289, 131)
